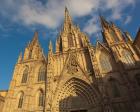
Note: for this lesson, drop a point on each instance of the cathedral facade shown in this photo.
(77, 77)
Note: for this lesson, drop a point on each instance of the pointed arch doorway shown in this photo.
(76, 96)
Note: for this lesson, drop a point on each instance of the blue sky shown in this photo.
(20, 18)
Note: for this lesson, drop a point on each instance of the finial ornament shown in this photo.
(20, 57)
(67, 20)
(128, 37)
(103, 22)
(35, 38)
(50, 46)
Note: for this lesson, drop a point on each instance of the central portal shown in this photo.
(75, 96)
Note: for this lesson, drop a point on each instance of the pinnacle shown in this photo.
(34, 41)
(50, 46)
(67, 19)
(35, 38)
(104, 23)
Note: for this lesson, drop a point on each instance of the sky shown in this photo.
(19, 19)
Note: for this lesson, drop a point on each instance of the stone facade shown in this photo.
(136, 42)
(1, 102)
(3, 94)
(77, 77)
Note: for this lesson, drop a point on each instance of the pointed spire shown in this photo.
(34, 41)
(33, 49)
(103, 22)
(57, 44)
(35, 38)
(19, 58)
(50, 46)
(67, 20)
(128, 37)
(67, 16)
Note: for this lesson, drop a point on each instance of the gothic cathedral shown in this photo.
(78, 77)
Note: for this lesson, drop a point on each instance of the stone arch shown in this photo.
(37, 97)
(20, 99)
(77, 91)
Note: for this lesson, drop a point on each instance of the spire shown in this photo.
(67, 16)
(128, 37)
(58, 44)
(67, 20)
(103, 22)
(35, 39)
(33, 49)
(35, 36)
(19, 58)
(50, 46)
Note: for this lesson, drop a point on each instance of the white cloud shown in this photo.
(50, 14)
(128, 19)
(117, 7)
(92, 27)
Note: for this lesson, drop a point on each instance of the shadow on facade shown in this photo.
(76, 104)
(119, 91)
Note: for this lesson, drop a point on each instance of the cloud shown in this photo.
(92, 27)
(117, 7)
(50, 13)
(128, 19)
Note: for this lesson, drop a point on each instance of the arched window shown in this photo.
(137, 77)
(104, 61)
(25, 76)
(70, 40)
(40, 99)
(127, 58)
(42, 73)
(114, 88)
(20, 102)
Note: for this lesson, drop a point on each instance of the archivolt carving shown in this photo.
(75, 88)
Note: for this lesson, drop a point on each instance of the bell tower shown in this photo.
(119, 42)
(27, 79)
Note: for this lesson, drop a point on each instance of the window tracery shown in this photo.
(105, 64)
(41, 74)
(25, 76)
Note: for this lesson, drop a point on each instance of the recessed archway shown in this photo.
(75, 96)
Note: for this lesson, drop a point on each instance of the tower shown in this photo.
(120, 43)
(28, 80)
(70, 37)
